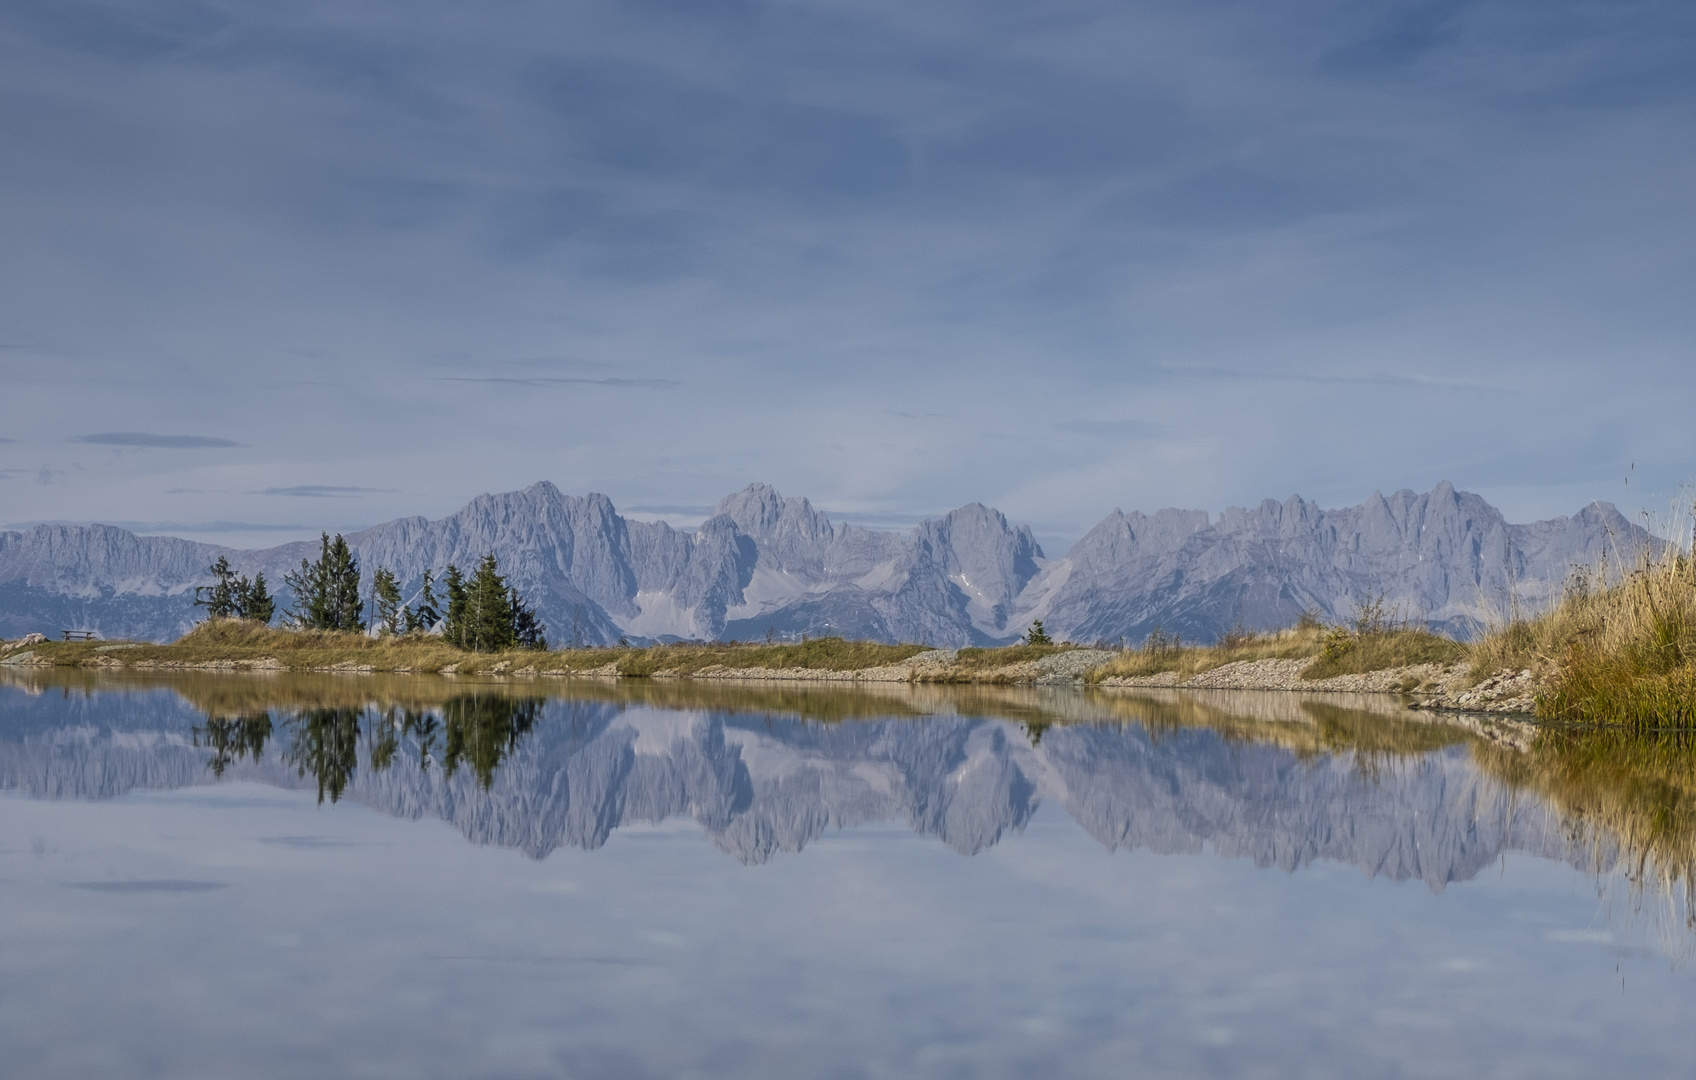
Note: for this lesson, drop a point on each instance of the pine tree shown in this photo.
(386, 591)
(1036, 635)
(455, 629)
(526, 628)
(219, 600)
(347, 609)
(426, 616)
(485, 614)
(326, 593)
(311, 605)
(490, 619)
(258, 605)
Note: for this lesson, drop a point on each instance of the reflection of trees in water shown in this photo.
(324, 742)
(477, 730)
(481, 731)
(233, 738)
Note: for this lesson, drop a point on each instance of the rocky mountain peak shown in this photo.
(767, 563)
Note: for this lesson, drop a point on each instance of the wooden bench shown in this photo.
(79, 635)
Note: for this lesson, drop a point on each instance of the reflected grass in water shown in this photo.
(1629, 801)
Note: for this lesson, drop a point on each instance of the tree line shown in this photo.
(233, 597)
(481, 612)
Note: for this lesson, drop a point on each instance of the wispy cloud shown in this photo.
(4, 440)
(1117, 429)
(319, 491)
(173, 526)
(557, 381)
(1365, 378)
(679, 509)
(1306, 209)
(168, 442)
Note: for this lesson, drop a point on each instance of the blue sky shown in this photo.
(1056, 258)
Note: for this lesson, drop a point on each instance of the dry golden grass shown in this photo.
(234, 640)
(1622, 653)
(1373, 644)
(981, 665)
(818, 654)
(1357, 654)
(1295, 643)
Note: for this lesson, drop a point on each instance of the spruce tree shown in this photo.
(386, 591)
(1037, 635)
(258, 605)
(526, 628)
(429, 608)
(425, 617)
(219, 599)
(490, 620)
(311, 602)
(326, 593)
(454, 632)
(347, 609)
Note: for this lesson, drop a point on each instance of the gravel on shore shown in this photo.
(1442, 687)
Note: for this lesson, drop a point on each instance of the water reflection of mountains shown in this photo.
(534, 775)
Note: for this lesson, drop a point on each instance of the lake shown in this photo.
(324, 876)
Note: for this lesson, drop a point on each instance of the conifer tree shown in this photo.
(490, 620)
(386, 591)
(326, 593)
(526, 628)
(219, 599)
(311, 605)
(455, 629)
(426, 616)
(485, 614)
(347, 609)
(1036, 635)
(257, 603)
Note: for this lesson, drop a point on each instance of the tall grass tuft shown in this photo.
(1621, 645)
(1376, 639)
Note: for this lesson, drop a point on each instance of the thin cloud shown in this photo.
(320, 491)
(3, 440)
(1121, 429)
(172, 526)
(167, 442)
(204, 526)
(669, 508)
(1366, 379)
(557, 381)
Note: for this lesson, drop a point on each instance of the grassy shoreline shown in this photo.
(230, 644)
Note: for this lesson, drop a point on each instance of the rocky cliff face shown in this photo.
(765, 786)
(764, 564)
(1446, 558)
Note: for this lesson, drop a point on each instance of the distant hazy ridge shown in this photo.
(763, 563)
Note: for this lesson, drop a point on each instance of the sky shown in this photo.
(267, 268)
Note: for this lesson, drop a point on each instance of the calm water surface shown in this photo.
(324, 877)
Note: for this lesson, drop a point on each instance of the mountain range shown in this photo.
(763, 565)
